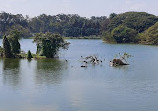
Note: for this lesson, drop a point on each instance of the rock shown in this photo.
(117, 62)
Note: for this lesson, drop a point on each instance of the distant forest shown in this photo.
(71, 25)
(129, 27)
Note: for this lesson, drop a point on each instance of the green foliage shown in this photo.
(68, 25)
(71, 25)
(8, 21)
(1, 51)
(112, 15)
(124, 28)
(140, 21)
(13, 38)
(7, 48)
(108, 38)
(123, 34)
(24, 32)
(29, 55)
(48, 44)
(150, 36)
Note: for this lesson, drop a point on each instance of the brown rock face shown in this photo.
(117, 62)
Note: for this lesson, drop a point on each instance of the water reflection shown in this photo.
(11, 68)
(50, 71)
(123, 68)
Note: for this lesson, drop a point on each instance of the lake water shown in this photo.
(57, 85)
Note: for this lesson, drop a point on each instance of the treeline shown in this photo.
(129, 27)
(70, 25)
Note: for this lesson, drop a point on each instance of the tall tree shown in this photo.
(48, 44)
(7, 48)
(112, 15)
(13, 38)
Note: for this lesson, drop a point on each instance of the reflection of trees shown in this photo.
(11, 71)
(49, 71)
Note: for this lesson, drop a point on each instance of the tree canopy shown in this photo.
(7, 48)
(139, 21)
(123, 28)
(123, 34)
(48, 44)
(13, 38)
(129, 25)
(70, 25)
(150, 36)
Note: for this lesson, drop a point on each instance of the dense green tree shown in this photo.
(7, 48)
(48, 44)
(139, 21)
(123, 28)
(107, 37)
(25, 32)
(68, 25)
(112, 15)
(150, 36)
(29, 55)
(123, 34)
(13, 38)
(8, 20)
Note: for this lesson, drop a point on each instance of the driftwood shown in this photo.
(90, 60)
(117, 62)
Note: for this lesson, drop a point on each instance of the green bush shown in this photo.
(29, 55)
(123, 34)
(48, 44)
(106, 36)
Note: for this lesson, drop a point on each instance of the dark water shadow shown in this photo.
(11, 69)
(50, 71)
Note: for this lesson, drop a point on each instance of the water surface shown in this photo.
(58, 85)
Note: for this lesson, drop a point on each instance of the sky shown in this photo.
(85, 8)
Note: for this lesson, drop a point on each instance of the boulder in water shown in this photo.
(117, 62)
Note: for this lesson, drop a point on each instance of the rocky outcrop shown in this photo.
(117, 62)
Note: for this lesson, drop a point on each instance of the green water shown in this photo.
(58, 85)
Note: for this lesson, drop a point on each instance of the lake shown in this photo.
(60, 85)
